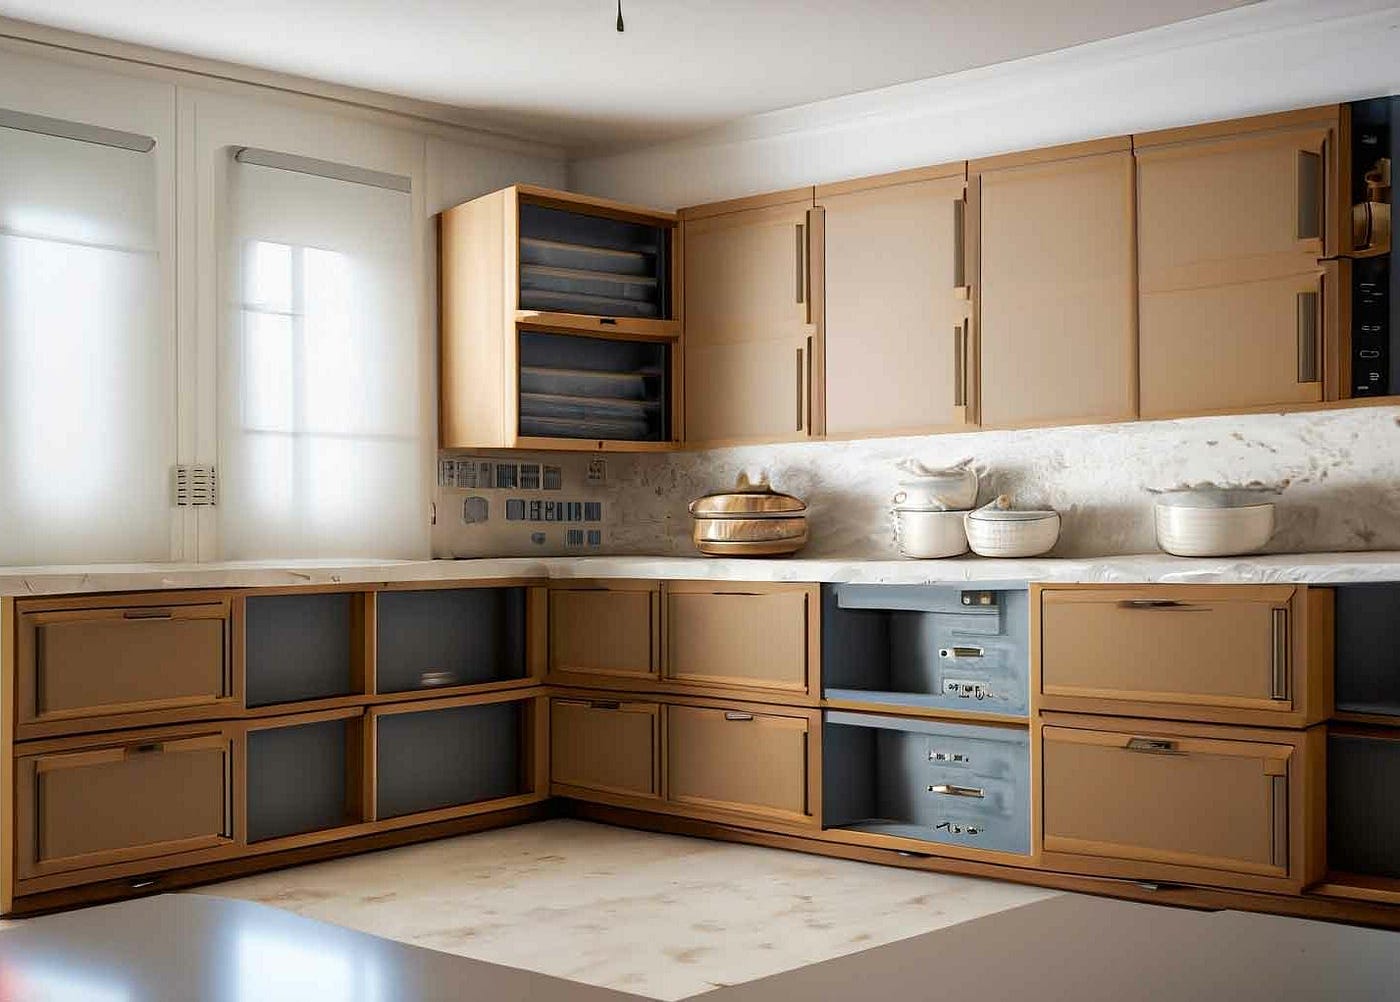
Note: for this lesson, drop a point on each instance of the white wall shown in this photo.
(1270, 56)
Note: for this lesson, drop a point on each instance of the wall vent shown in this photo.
(195, 486)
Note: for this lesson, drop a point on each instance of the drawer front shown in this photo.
(1161, 646)
(134, 801)
(737, 761)
(1203, 802)
(603, 631)
(754, 640)
(605, 745)
(95, 661)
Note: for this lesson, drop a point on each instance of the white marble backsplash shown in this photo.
(1342, 468)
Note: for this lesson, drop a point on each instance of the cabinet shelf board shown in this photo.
(910, 705)
(587, 274)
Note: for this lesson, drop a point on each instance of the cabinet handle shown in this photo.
(1308, 327)
(147, 614)
(961, 652)
(959, 245)
(1153, 746)
(807, 385)
(960, 365)
(737, 716)
(951, 790)
(1310, 197)
(604, 704)
(146, 749)
(433, 677)
(1279, 689)
(1160, 605)
(801, 373)
(801, 263)
(1278, 828)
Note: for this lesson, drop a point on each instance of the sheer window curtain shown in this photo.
(87, 380)
(321, 439)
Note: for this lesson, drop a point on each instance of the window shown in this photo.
(322, 451)
(87, 359)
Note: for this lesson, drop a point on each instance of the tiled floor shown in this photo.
(657, 915)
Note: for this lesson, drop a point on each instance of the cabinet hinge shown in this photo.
(196, 486)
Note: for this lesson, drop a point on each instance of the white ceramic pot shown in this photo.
(930, 534)
(1213, 532)
(997, 531)
(954, 489)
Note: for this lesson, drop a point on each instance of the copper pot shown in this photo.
(752, 520)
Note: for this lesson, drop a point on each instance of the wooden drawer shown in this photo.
(738, 760)
(609, 746)
(1232, 653)
(87, 662)
(144, 797)
(745, 636)
(605, 630)
(1213, 805)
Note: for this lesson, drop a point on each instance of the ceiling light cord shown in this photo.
(620, 25)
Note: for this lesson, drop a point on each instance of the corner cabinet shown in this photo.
(1056, 287)
(1237, 309)
(559, 324)
(753, 319)
(896, 304)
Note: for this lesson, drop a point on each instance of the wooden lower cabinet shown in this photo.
(605, 631)
(1156, 801)
(740, 760)
(1248, 654)
(743, 636)
(607, 746)
(141, 796)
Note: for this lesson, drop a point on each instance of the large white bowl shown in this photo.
(1213, 532)
(1012, 533)
(929, 534)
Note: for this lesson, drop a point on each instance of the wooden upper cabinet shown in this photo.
(559, 324)
(896, 304)
(1056, 285)
(752, 329)
(1235, 309)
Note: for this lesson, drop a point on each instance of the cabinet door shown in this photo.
(1057, 294)
(1232, 297)
(1217, 803)
(895, 340)
(740, 636)
(737, 760)
(605, 745)
(605, 630)
(141, 798)
(749, 334)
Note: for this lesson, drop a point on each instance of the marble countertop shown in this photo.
(1296, 568)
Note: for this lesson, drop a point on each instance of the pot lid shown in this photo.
(1000, 510)
(748, 499)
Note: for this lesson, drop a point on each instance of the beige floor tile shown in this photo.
(659, 915)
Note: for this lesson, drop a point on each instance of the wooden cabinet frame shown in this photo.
(1307, 617)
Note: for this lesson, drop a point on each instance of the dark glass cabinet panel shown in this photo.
(572, 262)
(575, 386)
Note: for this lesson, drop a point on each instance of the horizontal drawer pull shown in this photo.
(1161, 605)
(962, 652)
(146, 749)
(951, 790)
(604, 704)
(434, 677)
(734, 715)
(1153, 746)
(148, 614)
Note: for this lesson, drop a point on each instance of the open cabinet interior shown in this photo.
(299, 647)
(575, 262)
(941, 647)
(935, 781)
(576, 386)
(441, 638)
(303, 778)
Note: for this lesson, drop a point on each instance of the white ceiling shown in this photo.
(557, 69)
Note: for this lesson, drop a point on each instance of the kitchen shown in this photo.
(410, 436)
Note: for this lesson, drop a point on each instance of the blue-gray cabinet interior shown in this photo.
(931, 780)
(438, 638)
(438, 757)
(298, 647)
(298, 778)
(949, 647)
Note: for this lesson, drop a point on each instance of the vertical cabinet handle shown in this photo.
(807, 385)
(801, 378)
(960, 365)
(959, 247)
(1279, 687)
(1278, 827)
(801, 263)
(1310, 199)
(1309, 325)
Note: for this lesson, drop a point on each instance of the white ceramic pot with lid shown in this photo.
(952, 488)
(998, 530)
